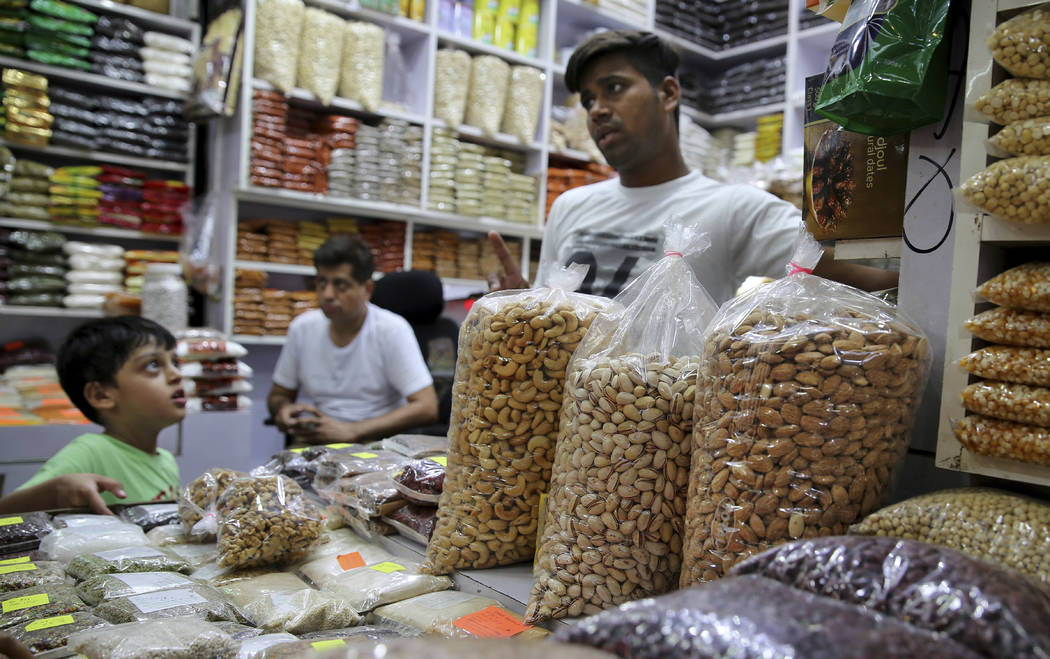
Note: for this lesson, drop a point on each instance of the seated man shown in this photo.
(359, 364)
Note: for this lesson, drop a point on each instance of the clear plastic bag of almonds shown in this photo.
(265, 520)
(806, 393)
(514, 347)
(197, 502)
(615, 513)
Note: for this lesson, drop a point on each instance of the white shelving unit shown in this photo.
(563, 24)
(100, 232)
(980, 245)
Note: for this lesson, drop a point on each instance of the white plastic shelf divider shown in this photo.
(277, 268)
(997, 230)
(499, 140)
(738, 117)
(478, 48)
(307, 98)
(353, 9)
(101, 232)
(85, 78)
(100, 156)
(873, 248)
(145, 18)
(251, 339)
(48, 312)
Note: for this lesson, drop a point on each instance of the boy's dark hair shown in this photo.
(96, 350)
(343, 248)
(648, 53)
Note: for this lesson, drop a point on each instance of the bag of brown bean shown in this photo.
(1010, 364)
(984, 435)
(998, 613)
(806, 393)
(1015, 99)
(1012, 327)
(514, 347)
(999, 527)
(616, 509)
(1021, 45)
(1024, 287)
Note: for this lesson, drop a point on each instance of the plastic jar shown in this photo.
(165, 297)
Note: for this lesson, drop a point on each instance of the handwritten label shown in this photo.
(144, 582)
(23, 567)
(440, 459)
(27, 602)
(8, 521)
(165, 599)
(340, 445)
(387, 567)
(12, 561)
(328, 644)
(443, 600)
(297, 450)
(351, 560)
(491, 622)
(365, 455)
(48, 623)
(129, 552)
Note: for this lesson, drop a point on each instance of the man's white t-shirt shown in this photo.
(618, 231)
(367, 378)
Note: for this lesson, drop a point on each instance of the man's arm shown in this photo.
(65, 491)
(283, 408)
(420, 409)
(860, 276)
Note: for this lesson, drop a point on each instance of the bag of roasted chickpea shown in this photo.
(1021, 45)
(616, 509)
(514, 347)
(806, 393)
(1015, 189)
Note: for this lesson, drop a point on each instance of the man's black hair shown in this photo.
(648, 53)
(343, 248)
(96, 350)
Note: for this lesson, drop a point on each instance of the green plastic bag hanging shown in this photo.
(888, 69)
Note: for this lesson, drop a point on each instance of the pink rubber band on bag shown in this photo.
(668, 252)
(796, 269)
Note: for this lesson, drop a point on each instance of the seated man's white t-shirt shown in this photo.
(369, 377)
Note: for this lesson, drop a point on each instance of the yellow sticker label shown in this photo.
(19, 603)
(329, 644)
(48, 623)
(440, 459)
(297, 450)
(12, 561)
(364, 455)
(340, 445)
(8, 521)
(387, 567)
(19, 567)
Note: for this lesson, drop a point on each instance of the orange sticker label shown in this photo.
(351, 560)
(491, 622)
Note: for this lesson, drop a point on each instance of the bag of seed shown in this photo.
(888, 69)
(173, 638)
(513, 351)
(127, 559)
(614, 521)
(806, 393)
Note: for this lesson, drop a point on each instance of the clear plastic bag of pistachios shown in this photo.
(806, 394)
(615, 513)
(514, 347)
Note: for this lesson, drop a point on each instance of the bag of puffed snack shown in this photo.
(616, 509)
(513, 351)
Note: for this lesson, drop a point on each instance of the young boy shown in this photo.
(122, 374)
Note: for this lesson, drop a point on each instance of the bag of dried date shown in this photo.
(616, 510)
(510, 375)
(806, 393)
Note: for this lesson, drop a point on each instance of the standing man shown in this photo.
(628, 85)
(359, 364)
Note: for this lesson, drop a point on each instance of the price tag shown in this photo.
(329, 644)
(48, 623)
(491, 622)
(18, 567)
(8, 521)
(297, 450)
(365, 455)
(387, 567)
(351, 560)
(129, 552)
(440, 459)
(12, 561)
(165, 599)
(29, 601)
(340, 445)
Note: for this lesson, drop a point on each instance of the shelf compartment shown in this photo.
(145, 18)
(277, 268)
(871, 248)
(304, 97)
(48, 312)
(996, 230)
(252, 339)
(477, 48)
(354, 10)
(101, 156)
(744, 117)
(85, 78)
(99, 231)
(500, 140)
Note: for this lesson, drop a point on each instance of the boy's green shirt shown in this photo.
(145, 477)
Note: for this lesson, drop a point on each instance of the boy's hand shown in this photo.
(289, 415)
(83, 490)
(511, 277)
(12, 649)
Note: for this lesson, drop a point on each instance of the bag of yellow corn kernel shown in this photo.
(1026, 287)
(514, 347)
(999, 438)
(615, 516)
(1014, 189)
(1010, 364)
(1030, 329)
(1021, 45)
(1014, 99)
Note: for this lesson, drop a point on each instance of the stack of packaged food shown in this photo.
(27, 193)
(269, 115)
(162, 203)
(208, 392)
(387, 240)
(249, 310)
(75, 194)
(311, 236)
(96, 270)
(137, 261)
(166, 61)
(26, 103)
(36, 276)
(121, 201)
